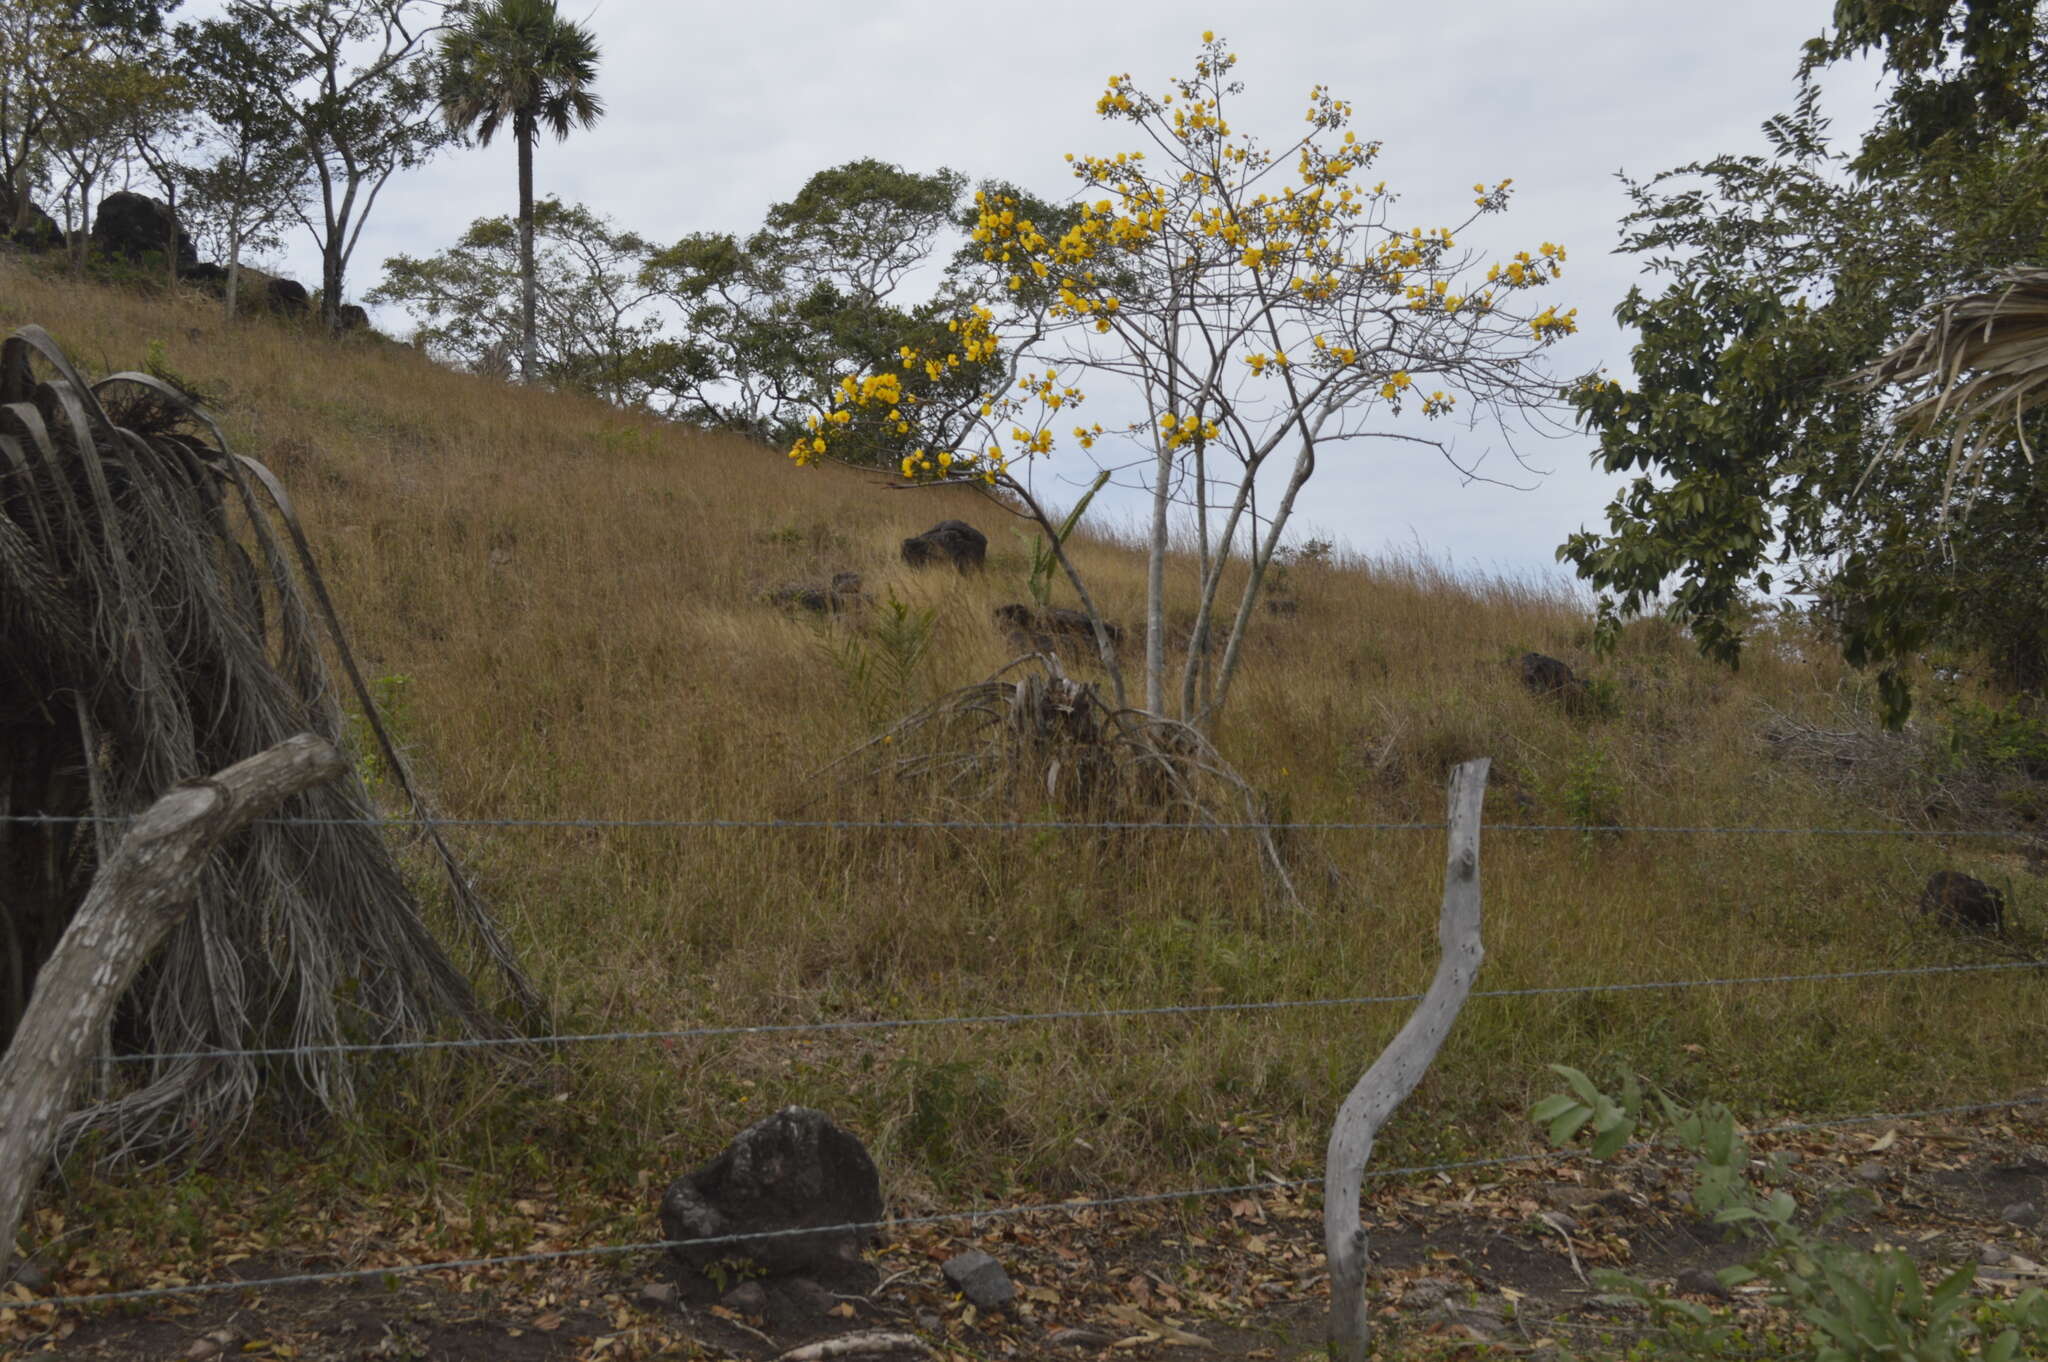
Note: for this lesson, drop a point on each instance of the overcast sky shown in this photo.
(713, 112)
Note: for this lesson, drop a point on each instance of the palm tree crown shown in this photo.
(518, 59)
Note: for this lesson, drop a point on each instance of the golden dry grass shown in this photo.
(566, 604)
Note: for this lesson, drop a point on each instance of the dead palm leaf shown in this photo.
(154, 627)
(1981, 363)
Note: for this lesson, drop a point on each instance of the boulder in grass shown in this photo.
(132, 227)
(1963, 901)
(795, 1178)
(950, 542)
(1053, 629)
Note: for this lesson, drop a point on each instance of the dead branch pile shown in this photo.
(155, 627)
(1033, 741)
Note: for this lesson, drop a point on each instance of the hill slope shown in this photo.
(565, 608)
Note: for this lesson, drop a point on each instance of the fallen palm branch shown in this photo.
(1981, 362)
(155, 627)
(1031, 736)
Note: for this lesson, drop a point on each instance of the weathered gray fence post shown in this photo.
(1399, 1068)
(137, 896)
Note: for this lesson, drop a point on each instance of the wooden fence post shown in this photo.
(1399, 1068)
(139, 893)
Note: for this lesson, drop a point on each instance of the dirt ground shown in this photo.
(1492, 1262)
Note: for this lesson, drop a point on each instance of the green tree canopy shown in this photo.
(1784, 274)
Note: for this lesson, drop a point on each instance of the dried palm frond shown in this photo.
(1031, 736)
(1998, 336)
(154, 628)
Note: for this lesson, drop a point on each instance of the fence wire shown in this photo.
(1042, 825)
(1019, 1018)
(948, 1217)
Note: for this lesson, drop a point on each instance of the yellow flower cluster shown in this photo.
(1184, 430)
(1549, 324)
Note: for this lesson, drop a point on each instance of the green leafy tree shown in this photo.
(1758, 462)
(519, 62)
(825, 289)
(253, 172)
(594, 330)
(361, 96)
(62, 64)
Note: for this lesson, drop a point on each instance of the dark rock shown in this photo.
(1870, 1170)
(1992, 1255)
(39, 233)
(1052, 629)
(794, 1170)
(131, 226)
(980, 1278)
(286, 297)
(658, 1296)
(31, 1274)
(1697, 1281)
(952, 542)
(2021, 1213)
(1282, 605)
(748, 1298)
(1547, 676)
(351, 317)
(1963, 901)
(256, 291)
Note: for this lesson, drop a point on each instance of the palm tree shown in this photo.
(519, 60)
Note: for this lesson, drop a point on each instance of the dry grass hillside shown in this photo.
(564, 608)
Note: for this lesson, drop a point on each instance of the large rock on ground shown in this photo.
(794, 1171)
(1963, 901)
(952, 542)
(130, 226)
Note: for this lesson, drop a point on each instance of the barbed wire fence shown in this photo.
(978, 1216)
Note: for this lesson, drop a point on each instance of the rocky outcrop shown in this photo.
(132, 226)
(797, 1179)
(950, 542)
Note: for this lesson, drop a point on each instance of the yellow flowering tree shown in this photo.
(1266, 307)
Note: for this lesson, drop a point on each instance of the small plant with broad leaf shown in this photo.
(1856, 1305)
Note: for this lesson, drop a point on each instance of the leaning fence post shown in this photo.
(1399, 1068)
(139, 893)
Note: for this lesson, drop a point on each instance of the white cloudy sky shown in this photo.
(716, 111)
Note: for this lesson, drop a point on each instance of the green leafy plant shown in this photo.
(1856, 1305)
(1045, 560)
(1589, 792)
(880, 666)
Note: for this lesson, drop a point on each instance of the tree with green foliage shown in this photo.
(254, 173)
(1759, 462)
(361, 96)
(519, 61)
(771, 323)
(592, 329)
(78, 79)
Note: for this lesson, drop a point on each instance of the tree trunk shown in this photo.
(1155, 584)
(330, 284)
(234, 267)
(1398, 1069)
(137, 897)
(523, 128)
